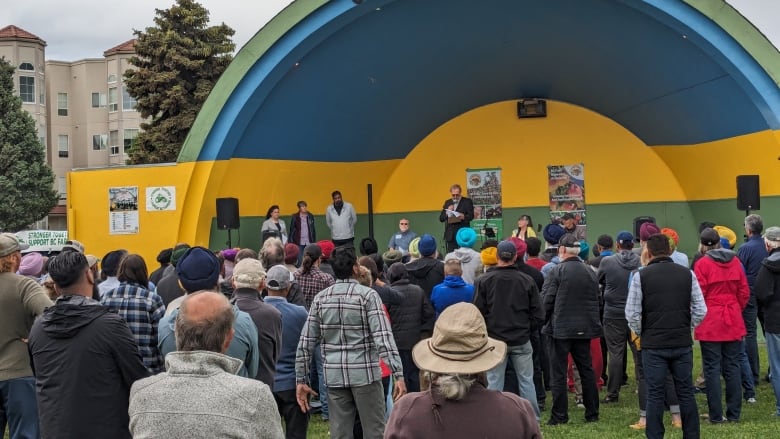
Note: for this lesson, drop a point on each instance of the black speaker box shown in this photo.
(748, 192)
(227, 213)
(638, 221)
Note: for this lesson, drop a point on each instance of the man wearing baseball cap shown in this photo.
(767, 290)
(21, 301)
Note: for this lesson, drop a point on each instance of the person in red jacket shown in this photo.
(725, 289)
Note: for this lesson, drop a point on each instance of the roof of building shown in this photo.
(12, 32)
(126, 47)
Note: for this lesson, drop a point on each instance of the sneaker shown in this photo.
(638, 426)
(610, 400)
(553, 421)
(751, 400)
(580, 403)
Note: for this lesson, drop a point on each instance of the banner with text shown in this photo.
(484, 189)
(567, 192)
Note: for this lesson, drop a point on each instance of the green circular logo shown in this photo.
(161, 198)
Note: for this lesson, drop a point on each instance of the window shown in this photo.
(113, 142)
(62, 187)
(98, 100)
(62, 145)
(62, 104)
(130, 136)
(113, 99)
(128, 102)
(27, 89)
(99, 142)
(26, 66)
(111, 78)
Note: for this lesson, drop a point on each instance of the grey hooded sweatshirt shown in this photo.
(614, 273)
(470, 262)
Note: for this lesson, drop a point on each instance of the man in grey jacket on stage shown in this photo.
(341, 219)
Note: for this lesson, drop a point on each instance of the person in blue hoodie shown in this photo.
(453, 289)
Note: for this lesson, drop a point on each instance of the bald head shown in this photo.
(204, 323)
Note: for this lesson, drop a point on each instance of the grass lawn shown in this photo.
(757, 420)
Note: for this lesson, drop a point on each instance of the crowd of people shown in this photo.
(396, 343)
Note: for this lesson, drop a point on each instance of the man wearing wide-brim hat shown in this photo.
(458, 404)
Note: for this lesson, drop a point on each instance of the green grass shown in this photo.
(757, 420)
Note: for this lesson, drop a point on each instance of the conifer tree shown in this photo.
(177, 63)
(26, 181)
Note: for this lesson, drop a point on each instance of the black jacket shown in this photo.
(268, 320)
(535, 274)
(414, 313)
(85, 361)
(509, 301)
(295, 228)
(168, 289)
(426, 273)
(466, 207)
(767, 290)
(570, 298)
(666, 304)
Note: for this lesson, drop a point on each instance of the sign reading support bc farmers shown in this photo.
(160, 198)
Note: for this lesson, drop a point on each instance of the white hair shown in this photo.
(574, 251)
(454, 387)
(771, 244)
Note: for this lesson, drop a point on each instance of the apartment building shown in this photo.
(85, 116)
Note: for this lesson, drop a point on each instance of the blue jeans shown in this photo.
(323, 389)
(751, 345)
(18, 408)
(748, 383)
(773, 352)
(656, 363)
(522, 362)
(722, 358)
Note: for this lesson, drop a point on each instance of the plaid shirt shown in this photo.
(312, 283)
(142, 310)
(349, 322)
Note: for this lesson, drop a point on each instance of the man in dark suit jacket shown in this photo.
(456, 213)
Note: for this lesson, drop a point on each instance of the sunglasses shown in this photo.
(404, 224)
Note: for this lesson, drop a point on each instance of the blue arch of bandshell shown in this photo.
(358, 82)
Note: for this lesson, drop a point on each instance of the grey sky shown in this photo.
(77, 29)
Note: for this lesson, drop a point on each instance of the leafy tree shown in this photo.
(177, 64)
(26, 182)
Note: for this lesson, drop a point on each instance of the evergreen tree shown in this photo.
(26, 182)
(177, 62)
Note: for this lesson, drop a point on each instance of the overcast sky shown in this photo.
(77, 29)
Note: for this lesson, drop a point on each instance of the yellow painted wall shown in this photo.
(619, 168)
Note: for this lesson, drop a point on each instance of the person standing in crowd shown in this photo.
(142, 309)
(457, 212)
(400, 240)
(413, 314)
(198, 270)
(84, 357)
(200, 393)
(109, 267)
(351, 352)
(767, 291)
(293, 318)
(169, 288)
(21, 301)
(571, 304)
(468, 257)
(664, 303)
(458, 405)
(273, 225)
(677, 256)
(724, 286)
(341, 219)
(605, 246)
(509, 302)
(327, 247)
(533, 246)
(31, 266)
(292, 254)
(249, 279)
(427, 271)
(552, 234)
(525, 228)
(751, 254)
(302, 230)
(613, 275)
(272, 254)
(164, 259)
(453, 288)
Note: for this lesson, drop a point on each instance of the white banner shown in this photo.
(43, 240)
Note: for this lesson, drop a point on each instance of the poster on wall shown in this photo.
(484, 189)
(123, 210)
(567, 192)
(160, 198)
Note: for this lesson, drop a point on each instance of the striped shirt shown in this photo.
(349, 322)
(312, 283)
(142, 310)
